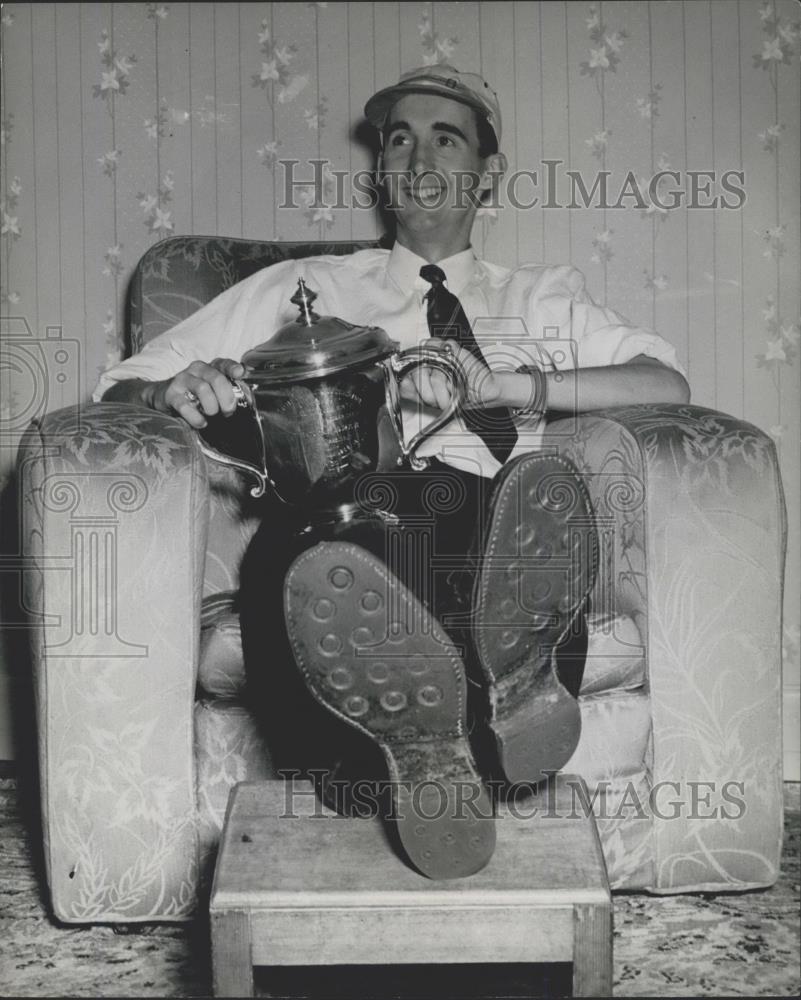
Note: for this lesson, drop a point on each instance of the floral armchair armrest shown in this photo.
(115, 511)
(691, 515)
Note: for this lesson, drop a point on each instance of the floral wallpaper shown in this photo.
(123, 123)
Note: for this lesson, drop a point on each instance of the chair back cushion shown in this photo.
(177, 276)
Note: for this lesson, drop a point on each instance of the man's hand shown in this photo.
(197, 392)
(433, 388)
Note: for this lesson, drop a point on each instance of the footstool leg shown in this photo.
(592, 951)
(231, 954)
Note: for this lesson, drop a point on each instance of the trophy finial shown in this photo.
(303, 299)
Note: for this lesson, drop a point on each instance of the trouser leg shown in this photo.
(429, 539)
(295, 727)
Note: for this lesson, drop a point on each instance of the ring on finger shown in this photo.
(191, 397)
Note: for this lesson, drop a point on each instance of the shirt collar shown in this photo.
(403, 267)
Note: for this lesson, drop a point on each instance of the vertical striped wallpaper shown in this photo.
(124, 123)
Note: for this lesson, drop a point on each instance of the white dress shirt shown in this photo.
(534, 314)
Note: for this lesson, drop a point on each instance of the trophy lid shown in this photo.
(312, 346)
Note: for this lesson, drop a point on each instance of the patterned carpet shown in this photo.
(744, 944)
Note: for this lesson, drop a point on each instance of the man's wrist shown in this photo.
(153, 395)
(531, 395)
(137, 390)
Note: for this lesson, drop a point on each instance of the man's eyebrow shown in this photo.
(451, 129)
(404, 126)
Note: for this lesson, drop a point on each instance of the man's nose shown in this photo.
(420, 158)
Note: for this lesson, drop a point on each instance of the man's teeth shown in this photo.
(429, 195)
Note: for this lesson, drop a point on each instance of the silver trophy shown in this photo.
(312, 398)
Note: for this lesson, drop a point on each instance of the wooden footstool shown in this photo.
(297, 885)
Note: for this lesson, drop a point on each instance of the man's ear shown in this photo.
(495, 167)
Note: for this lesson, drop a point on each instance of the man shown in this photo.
(387, 644)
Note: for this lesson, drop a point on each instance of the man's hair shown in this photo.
(487, 140)
(487, 146)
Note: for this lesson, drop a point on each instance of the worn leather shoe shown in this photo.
(539, 557)
(372, 654)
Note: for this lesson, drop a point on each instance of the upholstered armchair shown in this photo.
(143, 721)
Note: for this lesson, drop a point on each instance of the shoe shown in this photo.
(538, 563)
(372, 654)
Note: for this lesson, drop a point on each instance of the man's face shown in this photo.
(431, 163)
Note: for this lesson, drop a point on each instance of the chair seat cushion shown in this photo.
(615, 655)
(615, 736)
(222, 667)
(229, 748)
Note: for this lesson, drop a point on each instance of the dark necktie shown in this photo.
(447, 320)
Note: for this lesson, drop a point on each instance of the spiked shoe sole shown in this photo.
(538, 564)
(374, 656)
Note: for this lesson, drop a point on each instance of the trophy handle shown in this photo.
(396, 367)
(244, 400)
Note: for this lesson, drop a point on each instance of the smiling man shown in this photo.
(434, 164)
(432, 623)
